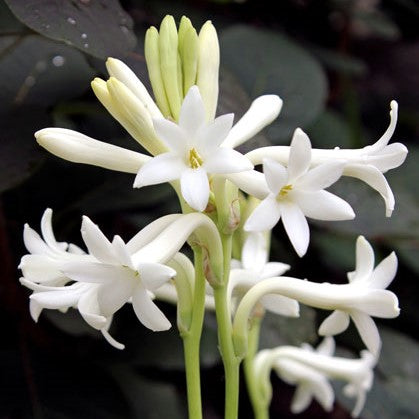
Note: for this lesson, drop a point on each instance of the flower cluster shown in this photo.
(228, 208)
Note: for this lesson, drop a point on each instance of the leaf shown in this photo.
(267, 62)
(41, 72)
(98, 27)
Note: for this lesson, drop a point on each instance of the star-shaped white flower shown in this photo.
(296, 192)
(120, 277)
(377, 301)
(194, 152)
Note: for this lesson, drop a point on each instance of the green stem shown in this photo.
(260, 409)
(191, 341)
(230, 361)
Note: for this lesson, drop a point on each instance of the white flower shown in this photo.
(120, 277)
(296, 192)
(194, 152)
(253, 268)
(367, 164)
(311, 369)
(378, 301)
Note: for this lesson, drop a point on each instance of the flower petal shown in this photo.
(98, 245)
(385, 138)
(33, 242)
(302, 398)
(172, 134)
(48, 233)
(283, 306)
(97, 273)
(379, 303)
(274, 269)
(121, 252)
(296, 226)
(392, 156)
(154, 275)
(265, 216)
(255, 252)
(113, 295)
(335, 323)
(384, 273)
(321, 177)
(88, 307)
(364, 261)
(276, 175)
(225, 160)
(147, 311)
(162, 168)
(323, 205)
(210, 137)
(40, 268)
(195, 188)
(192, 113)
(251, 182)
(56, 299)
(368, 331)
(327, 346)
(261, 113)
(300, 155)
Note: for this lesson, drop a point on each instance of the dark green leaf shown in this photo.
(41, 72)
(270, 63)
(98, 27)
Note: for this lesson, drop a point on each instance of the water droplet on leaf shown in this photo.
(71, 21)
(83, 36)
(58, 61)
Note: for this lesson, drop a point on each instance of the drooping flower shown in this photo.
(367, 164)
(311, 371)
(194, 152)
(297, 192)
(378, 301)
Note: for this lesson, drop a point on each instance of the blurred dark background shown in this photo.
(337, 64)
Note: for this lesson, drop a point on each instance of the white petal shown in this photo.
(323, 393)
(48, 233)
(113, 295)
(265, 215)
(321, 177)
(261, 113)
(276, 175)
(121, 252)
(296, 226)
(251, 182)
(392, 156)
(56, 299)
(374, 178)
(98, 245)
(162, 168)
(88, 307)
(364, 261)
(192, 112)
(283, 306)
(33, 242)
(368, 331)
(154, 275)
(335, 323)
(323, 205)
(112, 340)
(327, 346)
(225, 160)
(35, 309)
(195, 188)
(97, 273)
(274, 269)
(147, 311)
(174, 136)
(385, 138)
(255, 252)
(302, 398)
(40, 268)
(385, 272)
(379, 303)
(210, 137)
(300, 155)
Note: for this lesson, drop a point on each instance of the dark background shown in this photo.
(336, 64)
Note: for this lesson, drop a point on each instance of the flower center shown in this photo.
(284, 192)
(195, 160)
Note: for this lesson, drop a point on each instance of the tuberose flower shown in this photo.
(378, 302)
(194, 152)
(296, 192)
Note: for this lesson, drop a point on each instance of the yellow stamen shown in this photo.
(195, 160)
(284, 191)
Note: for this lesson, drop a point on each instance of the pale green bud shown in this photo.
(152, 56)
(208, 67)
(189, 53)
(170, 64)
